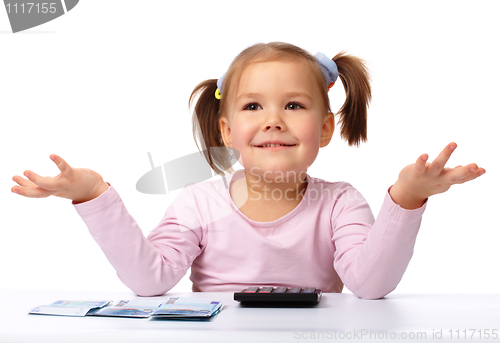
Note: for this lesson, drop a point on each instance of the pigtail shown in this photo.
(353, 114)
(206, 128)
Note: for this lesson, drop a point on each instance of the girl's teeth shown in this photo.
(272, 145)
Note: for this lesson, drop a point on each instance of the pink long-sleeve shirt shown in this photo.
(329, 240)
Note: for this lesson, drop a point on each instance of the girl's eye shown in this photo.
(252, 107)
(293, 106)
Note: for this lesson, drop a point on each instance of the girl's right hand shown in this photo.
(77, 184)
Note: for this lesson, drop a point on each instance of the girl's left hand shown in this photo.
(420, 180)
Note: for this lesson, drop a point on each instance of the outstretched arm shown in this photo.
(420, 180)
(147, 266)
(372, 261)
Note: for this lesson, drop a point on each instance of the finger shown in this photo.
(31, 192)
(21, 181)
(63, 166)
(438, 164)
(458, 174)
(473, 175)
(48, 183)
(420, 165)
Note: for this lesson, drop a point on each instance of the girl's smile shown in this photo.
(274, 147)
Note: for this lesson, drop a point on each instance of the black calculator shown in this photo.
(278, 296)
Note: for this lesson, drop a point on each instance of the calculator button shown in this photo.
(295, 290)
(266, 290)
(309, 290)
(280, 290)
(251, 290)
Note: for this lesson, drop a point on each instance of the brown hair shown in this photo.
(208, 109)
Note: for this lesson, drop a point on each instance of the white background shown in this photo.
(110, 81)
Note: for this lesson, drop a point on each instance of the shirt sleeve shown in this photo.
(371, 255)
(148, 266)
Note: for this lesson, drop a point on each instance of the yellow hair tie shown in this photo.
(217, 94)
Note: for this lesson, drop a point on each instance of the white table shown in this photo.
(338, 317)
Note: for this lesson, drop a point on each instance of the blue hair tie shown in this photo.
(219, 83)
(328, 67)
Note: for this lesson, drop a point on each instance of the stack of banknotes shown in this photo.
(178, 308)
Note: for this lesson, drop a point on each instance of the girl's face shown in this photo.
(277, 102)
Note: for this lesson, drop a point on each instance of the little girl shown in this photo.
(273, 224)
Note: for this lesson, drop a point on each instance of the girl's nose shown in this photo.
(274, 122)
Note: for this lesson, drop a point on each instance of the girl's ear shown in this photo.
(225, 132)
(327, 130)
